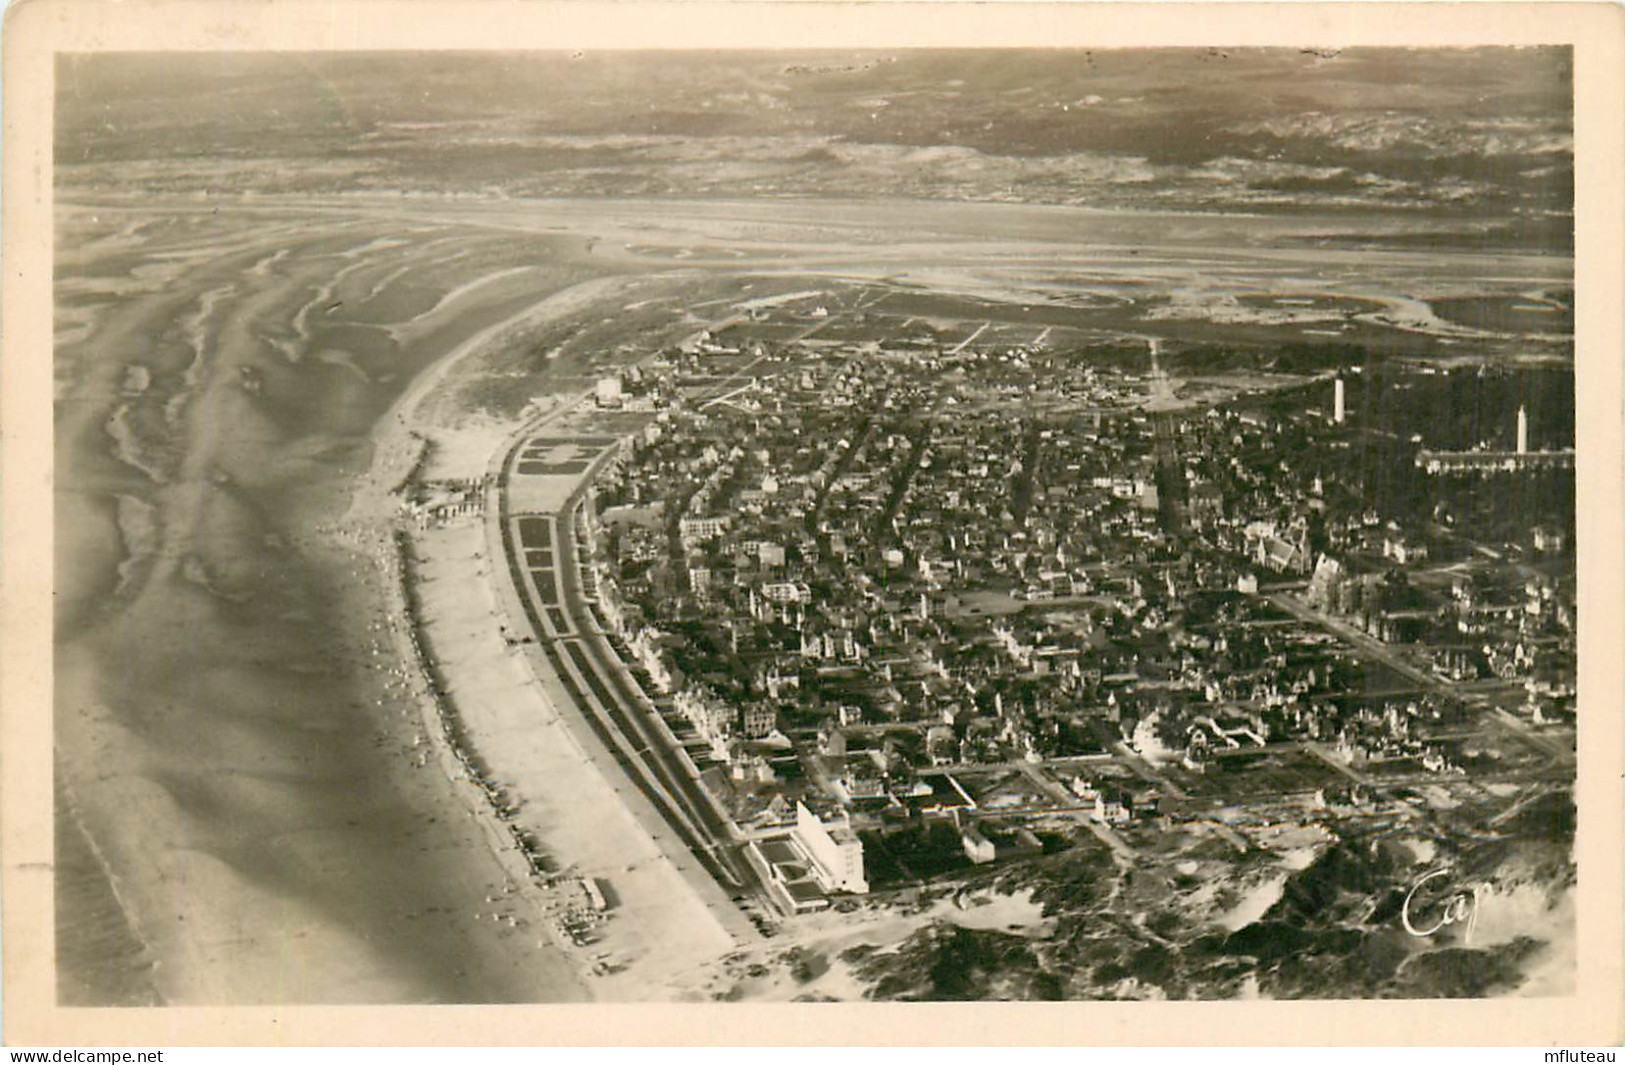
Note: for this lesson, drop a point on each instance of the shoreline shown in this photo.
(453, 750)
(88, 197)
(403, 448)
(114, 959)
(510, 728)
(236, 908)
(536, 858)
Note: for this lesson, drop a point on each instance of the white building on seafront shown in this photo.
(835, 852)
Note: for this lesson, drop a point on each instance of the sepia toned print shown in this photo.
(696, 536)
(907, 525)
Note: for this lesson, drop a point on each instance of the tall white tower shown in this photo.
(1523, 430)
(1337, 401)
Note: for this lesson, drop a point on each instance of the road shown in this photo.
(628, 726)
(743, 374)
(1366, 643)
(644, 743)
(963, 344)
(1388, 657)
(662, 746)
(1171, 488)
(918, 441)
(1069, 803)
(1146, 772)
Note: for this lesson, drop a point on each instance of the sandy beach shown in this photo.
(659, 927)
(231, 716)
(270, 802)
(501, 725)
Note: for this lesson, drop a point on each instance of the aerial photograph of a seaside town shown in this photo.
(862, 526)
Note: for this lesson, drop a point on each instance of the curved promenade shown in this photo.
(540, 589)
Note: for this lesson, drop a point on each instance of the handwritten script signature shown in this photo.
(1460, 907)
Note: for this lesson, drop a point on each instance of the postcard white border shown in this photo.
(35, 30)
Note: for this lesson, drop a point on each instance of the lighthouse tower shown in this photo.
(1337, 401)
(1523, 431)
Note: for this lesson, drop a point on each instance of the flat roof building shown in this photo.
(834, 849)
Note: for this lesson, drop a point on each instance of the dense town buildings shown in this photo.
(876, 570)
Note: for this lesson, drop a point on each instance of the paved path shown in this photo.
(1079, 813)
(615, 755)
(1147, 771)
(1388, 657)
